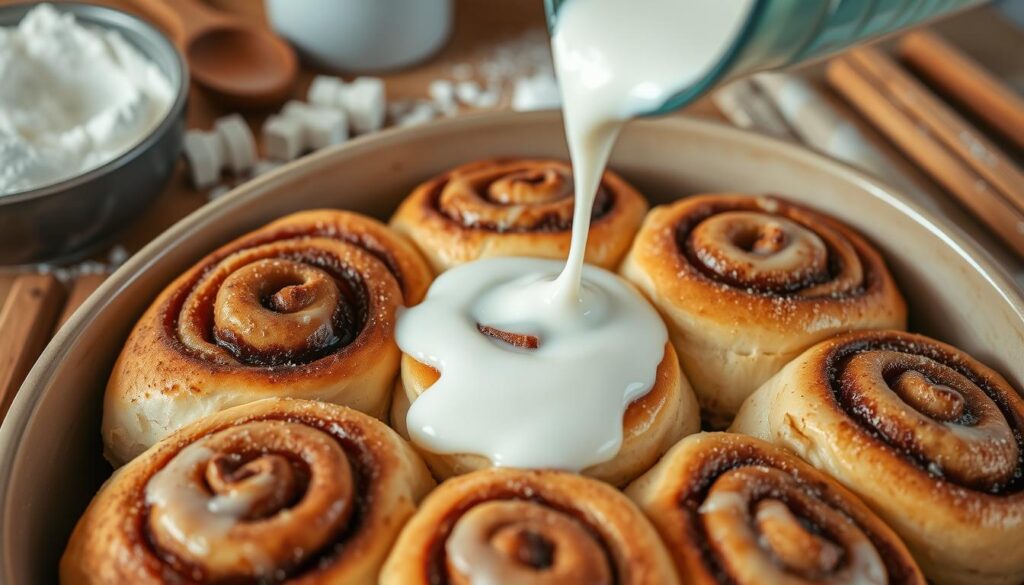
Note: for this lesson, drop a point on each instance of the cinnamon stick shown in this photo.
(984, 157)
(865, 93)
(967, 82)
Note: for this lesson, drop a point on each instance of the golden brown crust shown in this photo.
(323, 489)
(303, 307)
(733, 509)
(650, 425)
(564, 518)
(927, 435)
(515, 207)
(746, 283)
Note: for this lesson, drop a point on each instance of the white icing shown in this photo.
(615, 60)
(866, 566)
(559, 405)
(72, 98)
(723, 500)
(236, 503)
(174, 488)
(194, 518)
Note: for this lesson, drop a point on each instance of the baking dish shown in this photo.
(50, 453)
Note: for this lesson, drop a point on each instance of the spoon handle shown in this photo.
(183, 20)
(164, 18)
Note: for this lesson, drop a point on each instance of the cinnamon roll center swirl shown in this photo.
(280, 304)
(771, 253)
(523, 542)
(937, 401)
(266, 484)
(250, 502)
(514, 198)
(952, 426)
(793, 542)
(276, 310)
(531, 186)
(763, 525)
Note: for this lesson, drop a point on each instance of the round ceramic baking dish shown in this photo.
(50, 462)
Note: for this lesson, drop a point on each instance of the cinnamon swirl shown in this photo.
(735, 510)
(277, 490)
(303, 307)
(927, 435)
(511, 526)
(651, 424)
(515, 207)
(747, 283)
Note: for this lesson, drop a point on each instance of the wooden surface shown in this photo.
(78, 291)
(27, 321)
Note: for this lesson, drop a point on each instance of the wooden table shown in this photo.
(480, 27)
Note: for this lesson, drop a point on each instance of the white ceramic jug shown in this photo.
(363, 35)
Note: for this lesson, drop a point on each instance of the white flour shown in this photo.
(72, 98)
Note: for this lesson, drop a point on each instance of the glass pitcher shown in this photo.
(778, 33)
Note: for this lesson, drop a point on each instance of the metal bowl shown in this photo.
(74, 216)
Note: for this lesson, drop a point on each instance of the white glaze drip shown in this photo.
(559, 405)
(198, 516)
(866, 566)
(616, 60)
(723, 500)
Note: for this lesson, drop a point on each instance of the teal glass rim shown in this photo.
(717, 73)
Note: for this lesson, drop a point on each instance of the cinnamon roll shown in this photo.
(515, 207)
(303, 307)
(513, 526)
(927, 435)
(650, 425)
(747, 283)
(277, 490)
(736, 510)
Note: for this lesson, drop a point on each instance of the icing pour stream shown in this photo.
(599, 343)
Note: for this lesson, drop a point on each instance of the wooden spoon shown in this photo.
(243, 65)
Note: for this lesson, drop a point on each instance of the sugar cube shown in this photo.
(203, 151)
(239, 143)
(365, 104)
(283, 137)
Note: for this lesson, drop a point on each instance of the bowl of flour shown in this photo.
(91, 116)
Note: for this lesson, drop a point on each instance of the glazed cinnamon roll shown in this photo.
(515, 207)
(927, 435)
(735, 510)
(650, 425)
(303, 307)
(277, 490)
(747, 283)
(514, 526)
